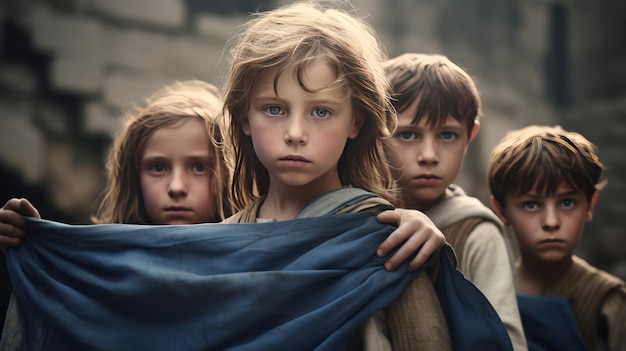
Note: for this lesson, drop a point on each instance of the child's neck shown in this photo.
(421, 205)
(535, 276)
(284, 203)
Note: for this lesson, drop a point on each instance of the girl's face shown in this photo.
(297, 135)
(175, 174)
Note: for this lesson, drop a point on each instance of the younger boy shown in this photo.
(544, 183)
(438, 109)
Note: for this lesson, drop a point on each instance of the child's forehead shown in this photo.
(315, 76)
(301, 68)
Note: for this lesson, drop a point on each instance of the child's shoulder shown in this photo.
(583, 281)
(456, 205)
(345, 200)
(597, 277)
(602, 294)
(455, 196)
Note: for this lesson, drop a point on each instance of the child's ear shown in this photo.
(245, 125)
(592, 203)
(357, 123)
(475, 130)
(497, 209)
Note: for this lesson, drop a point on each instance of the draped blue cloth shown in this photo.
(304, 284)
(549, 323)
(472, 321)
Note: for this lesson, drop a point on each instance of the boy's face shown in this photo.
(298, 135)
(426, 159)
(548, 228)
(175, 175)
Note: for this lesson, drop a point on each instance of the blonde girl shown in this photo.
(283, 44)
(309, 113)
(124, 199)
(286, 42)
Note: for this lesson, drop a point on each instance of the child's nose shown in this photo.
(296, 130)
(178, 184)
(551, 220)
(428, 153)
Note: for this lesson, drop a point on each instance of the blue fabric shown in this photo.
(305, 284)
(472, 321)
(549, 324)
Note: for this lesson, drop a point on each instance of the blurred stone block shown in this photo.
(66, 34)
(76, 73)
(124, 90)
(192, 58)
(21, 145)
(100, 120)
(18, 78)
(137, 49)
(218, 28)
(165, 13)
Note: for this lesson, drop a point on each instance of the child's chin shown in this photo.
(179, 222)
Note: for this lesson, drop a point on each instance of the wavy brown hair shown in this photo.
(543, 158)
(122, 199)
(442, 87)
(289, 38)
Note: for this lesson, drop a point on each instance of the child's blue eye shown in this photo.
(157, 168)
(321, 112)
(406, 135)
(448, 135)
(274, 110)
(568, 203)
(199, 167)
(530, 205)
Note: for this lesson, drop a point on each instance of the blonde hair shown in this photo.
(289, 38)
(543, 157)
(442, 87)
(122, 200)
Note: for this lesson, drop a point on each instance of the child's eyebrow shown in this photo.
(449, 127)
(322, 101)
(528, 195)
(158, 157)
(570, 192)
(266, 97)
(199, 157)
(328, 101)
(153, 157)
(534, 195)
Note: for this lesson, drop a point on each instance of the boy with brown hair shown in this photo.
(544, 183)
(439, 108)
